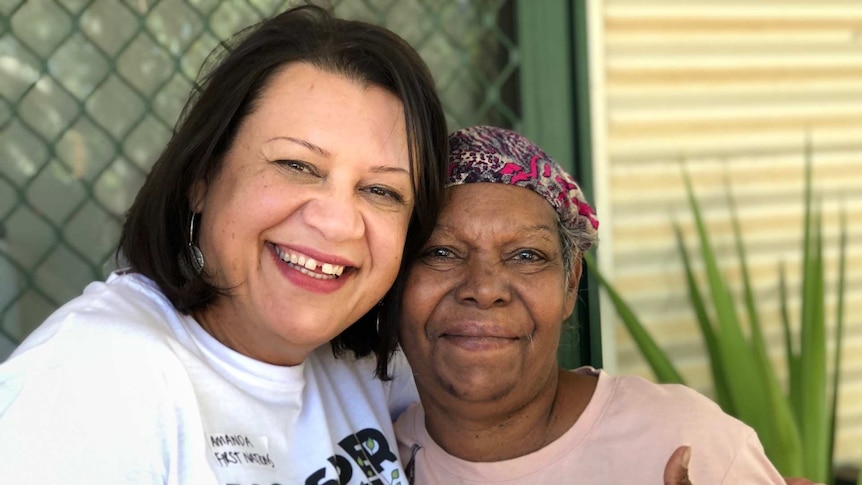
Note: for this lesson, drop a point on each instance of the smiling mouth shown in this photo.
(309, 266)
(479, 342)
(478, 337)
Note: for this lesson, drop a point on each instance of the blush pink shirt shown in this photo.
(625, 436)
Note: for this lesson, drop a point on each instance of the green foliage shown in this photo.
(796, 428)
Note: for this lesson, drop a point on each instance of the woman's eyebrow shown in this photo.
(307, 144)
(325, 153)
(389, 168)
(539, 229)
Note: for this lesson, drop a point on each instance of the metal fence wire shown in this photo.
(90, 91)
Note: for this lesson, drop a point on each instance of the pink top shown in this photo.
(625, 435)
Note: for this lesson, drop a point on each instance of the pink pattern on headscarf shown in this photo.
(497, 155)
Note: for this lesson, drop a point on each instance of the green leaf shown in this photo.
(793, 360)
(757, 340)
(812, 408)
(797, 391)
(785, 434)
(757, 399)
(657, 359)
(839, 335)
(719, 379)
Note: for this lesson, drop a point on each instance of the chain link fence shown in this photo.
(90, 91)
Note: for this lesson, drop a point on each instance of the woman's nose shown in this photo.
(484, 283)
(336, 215)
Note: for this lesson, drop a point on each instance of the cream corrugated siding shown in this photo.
(731, 90)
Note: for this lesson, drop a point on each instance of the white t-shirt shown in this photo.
(626, 435)
(117, 387)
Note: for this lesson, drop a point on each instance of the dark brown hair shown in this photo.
(155, 234)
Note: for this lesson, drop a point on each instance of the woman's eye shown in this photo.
(385, 192)
(439, 253)
(298, 166)
(527, 255)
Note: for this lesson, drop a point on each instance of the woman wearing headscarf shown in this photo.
(483, 309)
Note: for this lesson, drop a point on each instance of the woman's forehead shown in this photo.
(483, 205)
(465, 196)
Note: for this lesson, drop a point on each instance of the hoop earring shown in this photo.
(195, 255)
(377, 320)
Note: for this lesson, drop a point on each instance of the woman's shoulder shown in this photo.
(634, 399)
(355, 376)
(129, 300)
(124, 303)
(122, 320)
(98, 372)
(646, 394)
(637, 417)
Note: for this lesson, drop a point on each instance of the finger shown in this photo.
(676, 470)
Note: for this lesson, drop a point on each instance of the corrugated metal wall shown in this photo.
(727, 88)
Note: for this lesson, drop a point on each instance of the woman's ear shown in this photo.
(196, 195)
(574, 281)
(575, 273)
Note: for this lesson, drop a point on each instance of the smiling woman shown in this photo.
(468, 337)
(260, 250)
(320, 183)
(483, 308)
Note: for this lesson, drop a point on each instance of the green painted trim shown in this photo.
(589, 310)
(544, 42)
(555, 108)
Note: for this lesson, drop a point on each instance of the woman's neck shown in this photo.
(502, 430)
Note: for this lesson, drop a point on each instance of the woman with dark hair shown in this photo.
(305, 167)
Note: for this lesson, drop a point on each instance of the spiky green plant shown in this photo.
(796, 427)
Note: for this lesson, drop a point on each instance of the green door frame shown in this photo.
(555, 109)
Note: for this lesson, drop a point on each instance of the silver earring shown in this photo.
(377, 321)
(195, 254)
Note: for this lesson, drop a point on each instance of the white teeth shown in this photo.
(307, 265)
(332, 269)
(315, 275)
